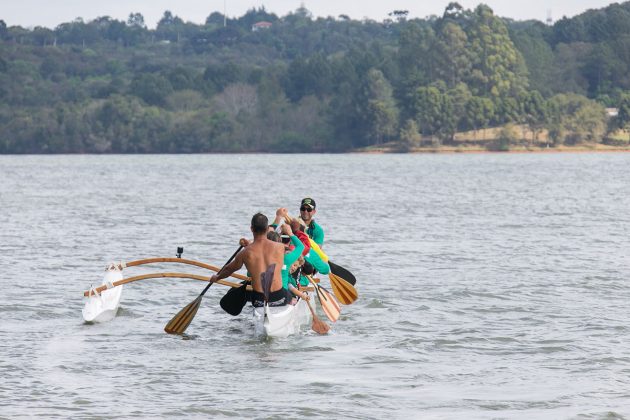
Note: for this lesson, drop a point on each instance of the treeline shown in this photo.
(309, 85)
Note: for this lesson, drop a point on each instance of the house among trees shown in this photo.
(261, 25)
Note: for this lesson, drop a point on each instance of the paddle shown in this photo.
(342, 272)
(234, 300)
(319, 326)
(344, 291)
(336, 269)
(183, 318)
(329, 304)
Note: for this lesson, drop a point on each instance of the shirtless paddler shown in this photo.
(261, 257)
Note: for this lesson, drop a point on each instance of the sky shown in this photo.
(50, 13)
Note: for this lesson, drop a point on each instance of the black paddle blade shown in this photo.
(266, 279)
(234, 300)
(339, 271)
(183, 318)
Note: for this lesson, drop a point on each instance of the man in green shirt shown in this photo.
(308, 209)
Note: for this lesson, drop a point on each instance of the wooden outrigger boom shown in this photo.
(157, 276)
(122, 265)
(99, 289)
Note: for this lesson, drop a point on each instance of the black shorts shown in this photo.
(277, 298)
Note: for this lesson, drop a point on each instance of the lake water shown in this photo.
(491, 286)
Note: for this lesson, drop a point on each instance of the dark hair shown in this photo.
(273, 236)
(308, 269)
(259, 223)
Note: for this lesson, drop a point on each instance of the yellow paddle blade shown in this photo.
(183, 318)
(344, 291)
(318, 250)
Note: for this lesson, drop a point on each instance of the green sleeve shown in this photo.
(304, 281)
(318, 235)
(293, 256)
(319, 264)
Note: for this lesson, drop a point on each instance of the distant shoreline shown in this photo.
(584, 148)
(392, 148)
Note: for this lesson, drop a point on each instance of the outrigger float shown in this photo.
(103, 301)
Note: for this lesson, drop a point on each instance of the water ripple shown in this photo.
(491, 286)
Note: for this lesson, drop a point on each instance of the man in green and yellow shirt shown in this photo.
(308, 209)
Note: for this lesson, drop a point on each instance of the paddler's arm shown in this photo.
(315, 260)
(292, 256)
(296, 292)
(280, 215)
(236, 264)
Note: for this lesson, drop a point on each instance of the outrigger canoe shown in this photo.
(280, 321)
(103, 302)
(103, 306)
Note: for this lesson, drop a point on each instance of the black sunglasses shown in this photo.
(306, 209)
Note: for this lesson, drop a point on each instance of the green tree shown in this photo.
(415, 44)
(218, 76)
(136, 20)
(568, 62)
(578, 118)
(460, 95)
(409, 136)
(426, 109)
(507, 136)
(479, 112)
(538, 56)
(43, 36)
(183, 78)
(451, 55)
(152, 88)
(534, 112)
(381, 112)
(216, 19)
(603, 69)
(76, 32)
(622, 120)
(51, 65)
(498, 69)
(170, 27)
(309, 77)
(3, 30)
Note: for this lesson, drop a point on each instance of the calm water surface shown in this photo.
(491, 286)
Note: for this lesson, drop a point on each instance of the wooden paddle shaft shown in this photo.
(319, 326)
(330, 307)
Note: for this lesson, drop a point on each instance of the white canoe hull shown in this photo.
(104, 306)
(281, 321)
